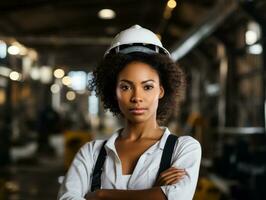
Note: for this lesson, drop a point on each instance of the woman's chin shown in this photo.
(138, 119)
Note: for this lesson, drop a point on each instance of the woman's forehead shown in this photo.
(138, 70)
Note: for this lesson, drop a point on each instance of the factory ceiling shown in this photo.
(69, 32)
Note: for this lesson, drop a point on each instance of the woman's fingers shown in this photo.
(173, 182)
(169, 181)
(172, 171)
(178, 176)
(173, 174)
(170, 176)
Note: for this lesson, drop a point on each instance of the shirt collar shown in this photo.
(110, 144)
(164, 138)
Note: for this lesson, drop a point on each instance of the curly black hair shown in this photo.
(171, 77)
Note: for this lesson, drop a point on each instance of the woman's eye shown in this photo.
(124, 87)
(148, 87)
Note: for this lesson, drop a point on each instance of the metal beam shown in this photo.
(215, 18)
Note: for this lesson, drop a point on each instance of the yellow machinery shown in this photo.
(206, 190)
(73, 141)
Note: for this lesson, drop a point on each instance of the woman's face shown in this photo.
(138, 92)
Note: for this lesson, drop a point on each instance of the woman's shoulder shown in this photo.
(187, 143)
(93, 145)
(186, 139)
(187, 147)
(91, 149)
(88, 153)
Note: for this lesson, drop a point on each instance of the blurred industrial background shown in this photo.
(48, 50)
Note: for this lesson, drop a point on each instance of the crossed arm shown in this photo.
(171, 184)
(168, 177)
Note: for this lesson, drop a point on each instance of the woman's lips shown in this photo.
(137, 111)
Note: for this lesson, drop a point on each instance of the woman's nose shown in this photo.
(136, 97)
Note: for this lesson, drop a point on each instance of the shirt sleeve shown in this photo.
(187, 155)
(76, 183)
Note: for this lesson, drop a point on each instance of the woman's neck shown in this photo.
(137, 131)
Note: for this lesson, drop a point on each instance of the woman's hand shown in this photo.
(93, 195)
(170, 176)
(167, 177)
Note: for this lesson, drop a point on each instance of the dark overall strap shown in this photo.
(167, 153)
(97, 172)
(165, 161)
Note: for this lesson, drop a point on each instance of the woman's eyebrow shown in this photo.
(148, 81)
(130, 82)
(127, 81)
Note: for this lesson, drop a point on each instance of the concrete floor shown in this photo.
(32, 179)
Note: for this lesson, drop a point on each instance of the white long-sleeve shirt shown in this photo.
(186, 155)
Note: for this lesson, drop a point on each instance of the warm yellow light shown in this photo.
(171, 4)
(2, 97)
(70, 95)
(15, 76)
(66, 81)
(106, 14)
(59, 73)
(17, 48)
(13, 50)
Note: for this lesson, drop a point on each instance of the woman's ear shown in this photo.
(161, 92)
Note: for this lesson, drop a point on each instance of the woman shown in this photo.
(140, 83)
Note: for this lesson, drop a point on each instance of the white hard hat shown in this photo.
(136, 39)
